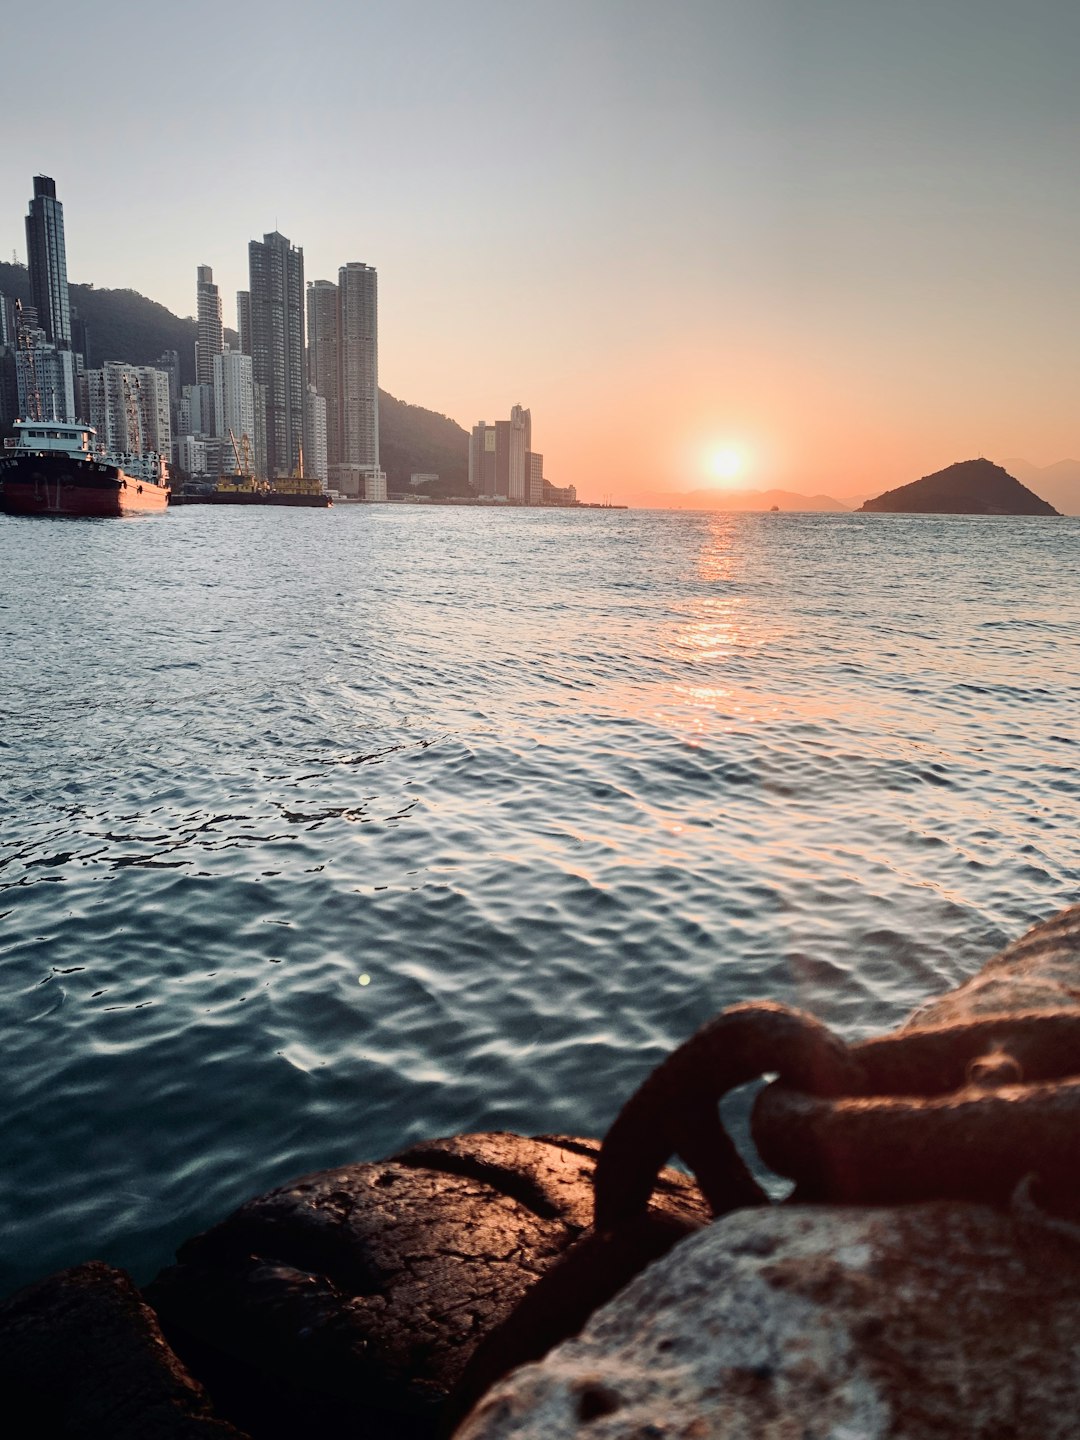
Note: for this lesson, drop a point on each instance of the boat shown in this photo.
(53, 467)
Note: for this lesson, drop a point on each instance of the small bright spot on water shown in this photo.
(365, 979)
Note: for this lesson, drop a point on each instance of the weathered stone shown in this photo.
(82, 1356)
(356, 1296)
(800, 1323)
(1040, 971)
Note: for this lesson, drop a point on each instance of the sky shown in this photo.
(824, 245)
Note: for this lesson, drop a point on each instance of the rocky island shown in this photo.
(971, 487)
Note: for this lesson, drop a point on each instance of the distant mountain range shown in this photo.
(717, 499)
(1059, 483)
(124, 325)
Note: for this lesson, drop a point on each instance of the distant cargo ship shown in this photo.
(50, 467)
(247, 490)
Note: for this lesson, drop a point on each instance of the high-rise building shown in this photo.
(80, 338)
(482, 458)
(9, 385)
(194, 410)
(7, 320)
(315, 463)
(260, 430)
(277, 345)
(520, 444)
(324, 358)
(234, 398)
(501, 461)
(47, 258)
(359, 348)
(129, 408)
(210, 339)
(535, 478)
(45, 376)
(169, 361)
(243, 321)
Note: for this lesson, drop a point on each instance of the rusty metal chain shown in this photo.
(959, 1111)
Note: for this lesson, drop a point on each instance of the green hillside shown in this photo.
(413, 439)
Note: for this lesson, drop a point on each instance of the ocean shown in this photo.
(326, 831)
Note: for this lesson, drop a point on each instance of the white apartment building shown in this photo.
(194, 410)
(234, 397)
(315, 436)
(45, 378)
(129, 409)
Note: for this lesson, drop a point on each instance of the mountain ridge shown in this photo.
(968, 487)
(742, 500)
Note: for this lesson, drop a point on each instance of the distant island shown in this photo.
(970, 487)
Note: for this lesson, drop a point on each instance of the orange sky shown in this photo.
(841, 237)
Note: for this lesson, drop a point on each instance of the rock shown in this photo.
(1040, 971)
(800, 1323)
(82, 1356)
(356, 1296)
(970, 487)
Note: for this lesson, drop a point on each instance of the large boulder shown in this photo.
(922, 1322)
(1038, 972)
(356, 1296)
(82, 1356)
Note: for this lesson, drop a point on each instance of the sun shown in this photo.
(726, 464)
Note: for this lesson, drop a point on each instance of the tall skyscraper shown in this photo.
(211, 335)
(324, 357)
(502, 464)
(234, 398)
(482, 458)
(358, 288)
(315, 466)
(243, 320)
(276, 289)
(47, 258)
(7, 320)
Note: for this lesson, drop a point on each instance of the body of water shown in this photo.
(326, 831)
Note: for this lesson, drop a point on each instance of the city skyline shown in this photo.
(826, 250)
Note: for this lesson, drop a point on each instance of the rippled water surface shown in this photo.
(325, 831)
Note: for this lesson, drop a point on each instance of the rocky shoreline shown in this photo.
(382, 1299)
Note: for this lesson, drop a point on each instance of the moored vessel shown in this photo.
(51, 467)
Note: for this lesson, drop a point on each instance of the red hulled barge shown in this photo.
(50, 467)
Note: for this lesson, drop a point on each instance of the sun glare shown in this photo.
(725, 464)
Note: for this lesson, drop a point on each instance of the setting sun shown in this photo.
(726, 464)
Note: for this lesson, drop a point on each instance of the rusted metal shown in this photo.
(960, 1111)
(675, 1110)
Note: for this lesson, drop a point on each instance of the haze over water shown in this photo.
(327, 831)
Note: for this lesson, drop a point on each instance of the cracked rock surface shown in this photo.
(82, 1356)
(804, 1323)
(356, 1295)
